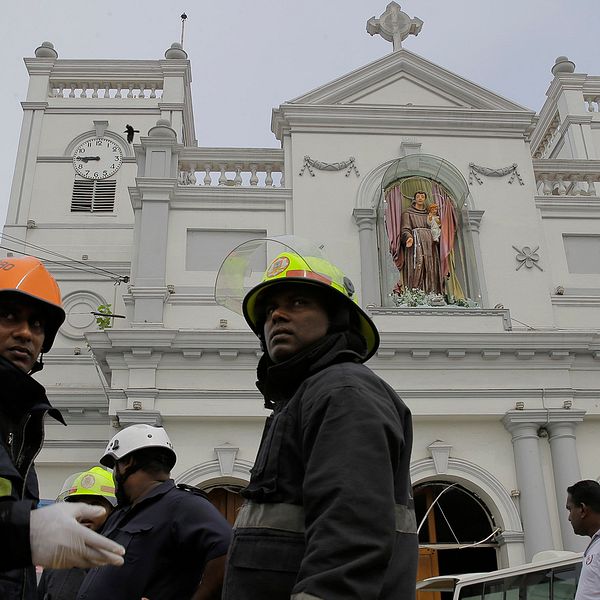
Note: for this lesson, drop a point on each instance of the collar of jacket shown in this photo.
(279, 382)
(21, 394)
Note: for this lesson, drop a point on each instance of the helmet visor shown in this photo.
(244, 267)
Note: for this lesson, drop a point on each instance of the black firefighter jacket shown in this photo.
(23, 404)
(330, 513)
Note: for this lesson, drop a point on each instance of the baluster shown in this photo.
(95, 92)
(597, 101)
(72, 93)
(222, 177)
(207, 178)
(237, 180)
(268, 177)
(591, 186)
(576, 188)
(61, 90)
(193, 170)
(253, 175)
(547, 184)
(130, 94)
(282, 180)
(562, 188)
(153, 91)
(119, 88)
(142, 94)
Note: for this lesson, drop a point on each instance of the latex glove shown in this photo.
(58, 541)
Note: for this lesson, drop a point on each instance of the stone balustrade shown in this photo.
(565, 177)
(105, 89)
(234, 167)
(592, 102)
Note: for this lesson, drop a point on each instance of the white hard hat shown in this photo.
(136, 437)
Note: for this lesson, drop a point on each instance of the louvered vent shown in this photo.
(93, 196)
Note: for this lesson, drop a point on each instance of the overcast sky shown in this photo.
(250, 56)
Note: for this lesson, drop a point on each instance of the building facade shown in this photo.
(504, 387)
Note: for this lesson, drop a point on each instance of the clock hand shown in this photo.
(87, 158)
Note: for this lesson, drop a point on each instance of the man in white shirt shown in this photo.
(583, 504)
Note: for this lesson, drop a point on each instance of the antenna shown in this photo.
(183, 18)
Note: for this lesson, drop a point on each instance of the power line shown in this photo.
(69, 266)
(88, 266)
(12, 238)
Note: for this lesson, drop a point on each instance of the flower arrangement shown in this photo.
(416, 297)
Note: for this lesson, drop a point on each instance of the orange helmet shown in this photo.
(27, 276)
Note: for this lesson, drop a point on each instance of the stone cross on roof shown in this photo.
(394, 25)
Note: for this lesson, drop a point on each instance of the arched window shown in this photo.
(456, 533)
(425, 246)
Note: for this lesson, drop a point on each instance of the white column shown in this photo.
(366, 220)
(565, 464)
(528, 466)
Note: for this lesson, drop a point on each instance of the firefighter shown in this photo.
(329, 511)
(96, 487)
(30, 315)
(176, 539)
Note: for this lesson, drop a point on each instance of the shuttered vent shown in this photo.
(93, 196)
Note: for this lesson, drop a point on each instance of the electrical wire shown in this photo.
(10, 238)
(114, 277)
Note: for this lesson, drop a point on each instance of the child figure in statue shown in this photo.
(434, 222)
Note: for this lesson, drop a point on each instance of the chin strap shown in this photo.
(38, 365)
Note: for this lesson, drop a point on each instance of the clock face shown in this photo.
(97, 158)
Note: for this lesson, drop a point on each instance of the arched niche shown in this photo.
(379, 273)
(448, 194)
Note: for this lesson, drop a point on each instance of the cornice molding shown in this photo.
(109, 69)
(568, 207)
(397, 120)
(206, 198)
(34, 105)
(230, 155)
(441, 311)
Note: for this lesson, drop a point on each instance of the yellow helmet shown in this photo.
(294, 260)
(97, 481)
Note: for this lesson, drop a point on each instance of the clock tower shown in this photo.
(70, 206)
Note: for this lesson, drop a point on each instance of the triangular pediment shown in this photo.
(406, 79)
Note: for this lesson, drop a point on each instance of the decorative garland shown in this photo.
(474, 169)
(310, 163)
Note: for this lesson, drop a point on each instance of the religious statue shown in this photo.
(422, 238)
(433, 220)
(421, 268)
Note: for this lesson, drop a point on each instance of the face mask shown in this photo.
(120, 479)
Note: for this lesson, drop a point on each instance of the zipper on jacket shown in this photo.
(25, 487)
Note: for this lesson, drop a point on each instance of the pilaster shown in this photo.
(524, 426)
(565, 463)
(365, 219)
(157, 159)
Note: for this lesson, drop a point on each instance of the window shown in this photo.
(206, 249)
(93, 195)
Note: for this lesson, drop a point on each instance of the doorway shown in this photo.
(457, 531)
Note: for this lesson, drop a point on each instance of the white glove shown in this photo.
(58, 541)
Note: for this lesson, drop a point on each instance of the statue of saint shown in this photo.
(421, 264)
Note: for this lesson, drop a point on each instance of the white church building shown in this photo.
(504, 389)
